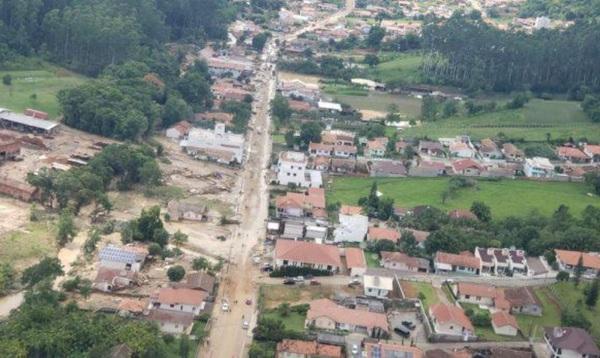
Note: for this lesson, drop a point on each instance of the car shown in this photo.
(299, 279)
(267, 268)
(354, 349)
(402, 331)
(245, 324)
(289, 281)
(225, 306)
(409, 325)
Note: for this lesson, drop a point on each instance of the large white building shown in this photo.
(218, 144)
(352, 228)
(291, 169)
(128, 258)
(538, 167)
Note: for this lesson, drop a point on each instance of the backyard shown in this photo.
(545, 197)
(293, 321)
(36, 89)
(402, 68)
(423, 290)
(487, 332)
(532, 326)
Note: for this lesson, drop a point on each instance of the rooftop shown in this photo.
(445, 313)
(307, 252)
(572, 338)
(327, 308)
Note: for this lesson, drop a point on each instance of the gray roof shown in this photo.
(572, 338)
(120, 254)
(27, 120)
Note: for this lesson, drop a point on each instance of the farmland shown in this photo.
(499, 195)
(36, 89)
(561, 119)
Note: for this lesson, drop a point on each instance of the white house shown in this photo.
(329, 106)
(378, 283)
(218, 144)
(352, 228)
(128, 258)
(461, 150)
(172, 322)
(475, 293)
(179, 130)
(450, 320)
(179, 300)
(504, 324)
(307, 254)
(291, 169)
(538, 167)
(444, 262)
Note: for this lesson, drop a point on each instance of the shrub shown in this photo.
(176, 273)
(291, 271)
(562, 276)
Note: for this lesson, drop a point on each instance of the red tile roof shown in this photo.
(177, 296)
(355, 257)
(463, 164)
(593, 149)
(350, 210)
(390, 349)
(502, 318)
(520, 296)
(307, 252)
(309, 348)
(382, 233)
(444, 313)
(411, 262)
(570, 152)
(457, 260)
(572, 258)
(475, 289)
(341, 314)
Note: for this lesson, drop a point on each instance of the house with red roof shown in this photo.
(592, 151)
(572, 154)
(294, 348)
(307, 254)
(383, 233)
(299, 205)
(179, 130)
(356, 263)
(479, 294)
(450, 320)
(504, 323)
(467, 167)
(391, 349)
(403, 262)
(326, 314)
(445, 262)
(568, 261)
(178, 299)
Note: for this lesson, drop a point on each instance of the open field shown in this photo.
(408, 106)
(499, 195)
(24, 247)
(562, 119)
(403, 68)
(293, 321)
(273, 295)
(36, 89)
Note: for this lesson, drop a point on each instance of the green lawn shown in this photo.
(431, 296)
(36, 89)
(487, 333)
(408, 106)
(562, 119)
(293, 321)
(343, 89)
(21, 248)
(278, 138)
(404, 67)
(532, 326)
(505, 197)
(372, 259)
(569, 295)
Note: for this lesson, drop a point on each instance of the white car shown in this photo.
(354, 349)
(245, 324)
(225, 306)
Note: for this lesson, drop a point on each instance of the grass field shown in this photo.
(404, 68)
(377, 101)
(372, 259)
(278, 138)
(22, 248)
(505, 198)
(293, 321)
(569, 296)
(344, 89)
(272, 296)
(36, 89)
(562, 119)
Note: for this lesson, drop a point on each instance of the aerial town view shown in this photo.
(300, 178)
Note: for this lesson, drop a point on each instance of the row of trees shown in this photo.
(466, 52)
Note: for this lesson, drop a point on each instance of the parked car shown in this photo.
(409, 325)
(245, 325)
(289, 281)
(402, 331)
(225, 306)
(267, 268)
(354, 349)
(315, 283)
(299, 279)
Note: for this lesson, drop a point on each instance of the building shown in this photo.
(296, 89)
(307, 254)
(219, 145)
(592, 151)
(10, 149)
(462, 214)
(502, 261)
(351, 228)
(568, 261)
(511, 152)
(179, 130)
(475, 293)
(391, 349)
(428, 169)
(178, 300)
(461, 150)
(356, 262)
(337, 137)
(344, 166)
(387, 169)
(538, 167)
(434, 149)
(293, 348)
(370, 84)
(326, 314)
(172, 322)
(128, 258)
(113, 279)
(401, 261)
(450, 320)
(572, 154)
(378, 283)
(420, 236)
(523, 300)
(444, 262)
(504, 324)
(179, 210)
(376, 147)
(383, 233)
(329, 106)
(467, 167)
(489, 149)
(291, 169)
(567, 342)
(18, 190)
(310, 204)
(220, 66)
(25, 123)
(201, 281)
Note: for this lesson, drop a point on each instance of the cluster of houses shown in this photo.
(174, 308)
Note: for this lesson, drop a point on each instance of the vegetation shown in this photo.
(176, 273)
(402, 69)
(7, 278)
(147, 228)
(47, 269)
(292, 317)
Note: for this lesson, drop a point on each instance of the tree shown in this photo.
(518, 101)
(371, 60)
(66, 228)
(482, 211)
(195, 90)
(310, 132)
(578, 272)
(591, 296)
(201, 263)
(280, 108)
(593, 179)
(429, 108)
(450, 108)
(7, 278)
(284, 309)
(376, 35)
(184, 346)
(259, 41)
(47, 268)
(147, 228)
(591, 107)
(562, 276)
(179, 238)
(7, 80)
(574, 317)
(175, 110)
(176, 273)
(409, 244)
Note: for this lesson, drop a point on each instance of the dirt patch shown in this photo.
(409, 290)
(288, 76)
(368, 114)
(274, 295)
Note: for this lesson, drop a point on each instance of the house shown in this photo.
(378, 283)
(383, 233)
(343, 166)
(350, 210)
(428, 169)
(114, 279)
(291, 169)
(10, 148)
(220, 66)
(489, 149)
(344, 151)
(293, 229)
(307, 254)
(450, 320)
(329, 106)
(387, 168)
(504, 324)
(467, 167)
(475, 293)
(401, 261)
(592, 151)
(461, 150)
(128, 258)
(308, 204)
(320, 163)
(565, 342)
(568, 261)
(420, 236)
(320, 149)
(201, 281)
(26, 123)
(511, 152)
(326, 314)
(180, 210)
(391, 349)
(293, 348)
(523, 300)
(18, 190)
(461, 214)
(351, 228)
(179, 130)
(356, 262)
(572, 154)
(179, 300)
(502, 261)
(299, 106)
(337, 137)
(444, 262)
(538, 167)
(434, 149)
(172, 322)
(376, 147)
(227, 91)
(219, 145)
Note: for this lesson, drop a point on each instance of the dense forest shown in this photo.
(561, 9)
(88, 35)
(465, 51)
